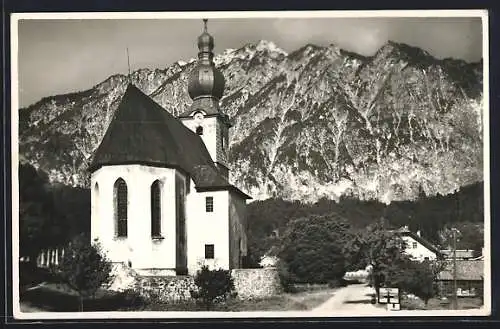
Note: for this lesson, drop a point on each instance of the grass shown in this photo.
(276, 303)
(313, 298)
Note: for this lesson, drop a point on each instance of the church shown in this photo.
(162, 202)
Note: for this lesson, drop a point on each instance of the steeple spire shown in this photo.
(206, 87)
(205, 45)
(206, 81)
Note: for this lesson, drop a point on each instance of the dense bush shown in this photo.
(286, 278)
(311, 249)
(84, 267)
(419, 278)
(212, 286)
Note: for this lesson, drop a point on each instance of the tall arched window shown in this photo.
(156, 209)
(96, 200)
(121, 205)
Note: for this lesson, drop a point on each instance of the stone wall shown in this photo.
(249, 284)
(165, 288)
(256, 282)
(123, 277)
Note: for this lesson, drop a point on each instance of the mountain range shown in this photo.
(319, 122)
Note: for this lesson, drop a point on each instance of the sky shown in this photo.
(58, 56)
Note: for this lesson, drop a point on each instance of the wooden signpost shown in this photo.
(389, 296)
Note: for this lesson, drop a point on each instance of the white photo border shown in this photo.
(16, 17)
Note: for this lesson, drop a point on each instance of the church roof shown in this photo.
(142, 132)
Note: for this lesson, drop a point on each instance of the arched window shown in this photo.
(96, 200)
(156, 209)
(121, 205)
(199, 130)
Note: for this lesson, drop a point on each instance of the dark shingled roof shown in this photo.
(460, 254)
(142, 132)
(467, 270)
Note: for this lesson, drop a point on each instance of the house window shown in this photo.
(209, 251)
(209, 204)
(121, 204)
(156, 209)
(199, 130)
(414, 245)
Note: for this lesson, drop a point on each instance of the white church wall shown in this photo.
(138, 248)
(207, 228)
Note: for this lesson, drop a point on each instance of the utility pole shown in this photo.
(455, 297)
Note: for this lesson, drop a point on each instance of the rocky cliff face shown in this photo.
(318, 122)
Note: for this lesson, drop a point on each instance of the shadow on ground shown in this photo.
(360, 301)
(56, 301)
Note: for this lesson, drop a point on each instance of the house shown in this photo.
(268, 261)
(361, 275)
(461, 254)
(469, 276)
(416, 246)
(270, 258)
(162, 203)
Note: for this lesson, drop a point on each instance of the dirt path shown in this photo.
(353, 298)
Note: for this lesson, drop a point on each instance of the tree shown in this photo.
(312, 248)
(470, 237)
(213, 286)
(382, 249)
(85, 267)
(40, 223)
(419, 278)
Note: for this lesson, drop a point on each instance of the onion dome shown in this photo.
(205, 40)
(205, 80)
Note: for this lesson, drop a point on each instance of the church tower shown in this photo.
(161, 201)
(204, 117)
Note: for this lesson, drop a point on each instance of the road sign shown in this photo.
(393, 307)
(389, 291)
(393, 300)
(388, 295)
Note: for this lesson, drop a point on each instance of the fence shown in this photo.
(50, 257)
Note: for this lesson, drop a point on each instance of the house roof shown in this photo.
(460, 253)
(404, 231)
(142, 132)
(467, 270)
